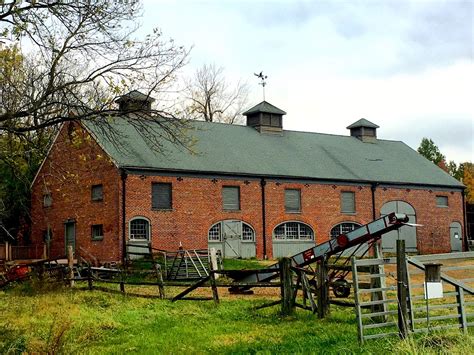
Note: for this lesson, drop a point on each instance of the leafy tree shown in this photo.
(456, 171)
(77, 58)
(210, 97)
(81, 56)
(20, 157)
(431, 151)
(468, 180)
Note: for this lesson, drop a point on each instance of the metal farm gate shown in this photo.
(379, 312)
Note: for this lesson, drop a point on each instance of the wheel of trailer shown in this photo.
(341, 288)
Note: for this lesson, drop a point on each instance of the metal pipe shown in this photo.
(373, 187)
(123, 177)
(264, 229)
(466, 242)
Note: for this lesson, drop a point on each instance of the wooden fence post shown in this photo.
(402, 283)
(7, 251)
(122, 285)
(323, 289)
(213, 261)
(89, 277)
(159, 275)
(45, 251)
(212, 280)
(70, 264)
(287, 304)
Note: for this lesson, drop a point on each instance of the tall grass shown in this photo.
(68, 321)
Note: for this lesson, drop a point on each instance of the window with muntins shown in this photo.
(97, 192)
(97, 232)
(292, 200)
(293, 231)
(348, 202)
(139, 229)
(442, 201)
(161, 196)
(231, 198)
(215, 232)
(343, 228)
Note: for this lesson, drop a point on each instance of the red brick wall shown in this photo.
(197, 205)
(434, 236)
(74, 164)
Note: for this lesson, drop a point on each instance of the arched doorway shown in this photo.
(407, 233)
(292, 237)
(455, 232)
(234, 238)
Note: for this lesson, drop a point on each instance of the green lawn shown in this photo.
(64, 320)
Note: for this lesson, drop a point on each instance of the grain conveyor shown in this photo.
(369, 232)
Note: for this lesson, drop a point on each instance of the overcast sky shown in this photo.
(404, 65)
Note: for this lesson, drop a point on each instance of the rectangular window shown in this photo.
(47, 200)
(348, 202)
(231, 198)
(97, 232)
(442, 201)
(161, 196)
(292, 200)
(97, 192)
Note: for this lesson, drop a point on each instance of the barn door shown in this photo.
(70, 234)
(406, 233)
(455, 232)
(232, 238)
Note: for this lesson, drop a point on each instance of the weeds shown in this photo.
(73, 321)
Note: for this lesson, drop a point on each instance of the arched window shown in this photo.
(231, 227)
(343, 228)
(139, 229)
(293, 231)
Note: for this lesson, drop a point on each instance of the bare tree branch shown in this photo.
(79, 57)
(209, 97)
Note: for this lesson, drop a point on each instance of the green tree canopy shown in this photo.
(431, 151)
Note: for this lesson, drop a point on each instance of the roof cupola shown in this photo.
(364, 130)
(135, 101)
(265, 118)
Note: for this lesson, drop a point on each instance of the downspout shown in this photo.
(264, 227)
(464, 215)
(376, 249)
(373, 187)
(123, 177)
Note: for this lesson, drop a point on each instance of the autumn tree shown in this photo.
(79, 57)
(431, 151)
(210, 97)
(468, 180)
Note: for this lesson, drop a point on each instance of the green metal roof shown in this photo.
(362, 123)
(265, 107)
(233, 149)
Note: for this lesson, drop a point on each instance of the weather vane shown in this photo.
(263, 81)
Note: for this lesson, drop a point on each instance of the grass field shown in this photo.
(45, 319)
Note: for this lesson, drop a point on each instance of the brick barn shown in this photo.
(252, 191)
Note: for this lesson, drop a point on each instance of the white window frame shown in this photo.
(340, 224)
(244, 224)
(286, 239)
(131, 236)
